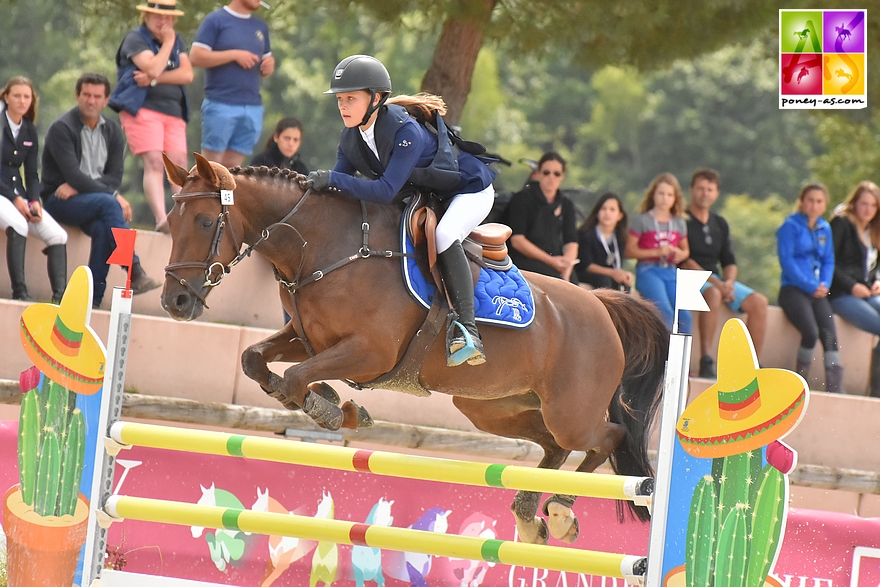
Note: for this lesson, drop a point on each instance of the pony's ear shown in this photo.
(206, 170)
(176, 174)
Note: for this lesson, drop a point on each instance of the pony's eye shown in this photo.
(205, 221)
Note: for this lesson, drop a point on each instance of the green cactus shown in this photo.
(72, 467)
(700, 544)
(735, 482)
(51, 449)
(730, 564)
(768, 513)
(49, 473)
(28, 445)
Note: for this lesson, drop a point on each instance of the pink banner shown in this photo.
(818, 550)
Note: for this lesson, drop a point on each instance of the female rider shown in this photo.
(391, 148)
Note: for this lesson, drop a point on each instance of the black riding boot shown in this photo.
(875, 372)
(463, 341)
(15, 246)
(56, 264)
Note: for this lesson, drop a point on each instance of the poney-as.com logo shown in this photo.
(822, 59)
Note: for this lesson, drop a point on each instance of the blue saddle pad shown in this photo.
(501, 298)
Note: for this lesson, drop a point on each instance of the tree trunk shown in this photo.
(455, 55)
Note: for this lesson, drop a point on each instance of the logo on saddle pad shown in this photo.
(516, 306)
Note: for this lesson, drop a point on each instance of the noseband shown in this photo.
(210, 265)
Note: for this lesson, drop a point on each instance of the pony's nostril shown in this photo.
(182, 300)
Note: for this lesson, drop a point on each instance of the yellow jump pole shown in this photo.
(637, 489)
(553, 558)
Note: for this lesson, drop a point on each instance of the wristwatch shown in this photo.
(153, 83)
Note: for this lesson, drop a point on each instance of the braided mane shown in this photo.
(263, 172)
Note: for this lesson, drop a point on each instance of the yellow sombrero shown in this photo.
(59, 340)
(747, 408)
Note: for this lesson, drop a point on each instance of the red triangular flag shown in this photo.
(124, 247)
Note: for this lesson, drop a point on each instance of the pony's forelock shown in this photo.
(227, 182)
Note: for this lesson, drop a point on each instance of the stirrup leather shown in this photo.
(462, 346)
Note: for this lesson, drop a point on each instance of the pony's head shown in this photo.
(203, 239)
(380, 515)
(325, 507)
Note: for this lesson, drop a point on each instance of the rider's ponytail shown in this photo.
(422, 106)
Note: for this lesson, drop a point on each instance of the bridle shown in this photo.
(210, 264)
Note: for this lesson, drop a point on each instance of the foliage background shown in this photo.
(623, 90)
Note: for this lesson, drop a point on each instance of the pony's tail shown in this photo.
(635, 404)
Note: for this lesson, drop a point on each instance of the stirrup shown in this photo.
(463, 347)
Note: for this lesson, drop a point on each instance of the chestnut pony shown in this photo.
(584, 376)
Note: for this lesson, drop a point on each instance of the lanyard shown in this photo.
(612, 258)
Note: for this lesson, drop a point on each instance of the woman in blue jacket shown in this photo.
(387, 142)
(806, 254)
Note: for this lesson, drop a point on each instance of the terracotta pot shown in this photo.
(42, 552)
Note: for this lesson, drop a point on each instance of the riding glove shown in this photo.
(319, 180)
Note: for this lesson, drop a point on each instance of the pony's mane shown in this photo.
(263, 172)
(227, 182)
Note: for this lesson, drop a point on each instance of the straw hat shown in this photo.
(59, 340)
(161, 7)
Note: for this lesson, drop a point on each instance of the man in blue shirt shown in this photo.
(233, 47)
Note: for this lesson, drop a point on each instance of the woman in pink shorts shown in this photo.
(154, 112)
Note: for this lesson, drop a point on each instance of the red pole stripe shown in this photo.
(358, 534)
(361, 461)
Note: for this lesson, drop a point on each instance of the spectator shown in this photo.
(82, 170)
(601, 239)
(152, 72)
(658, 241)
(282, 148)
(543, 221)
(20, 209)
(855, 288)
(233, 46)
(806, 254)
(710, 246)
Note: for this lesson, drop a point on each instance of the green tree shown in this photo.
(851, 152)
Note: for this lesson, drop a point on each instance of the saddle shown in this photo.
(486, 246)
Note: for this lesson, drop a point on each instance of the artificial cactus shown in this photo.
(700, 545)
(49, 473)
(51, 449)
(28, 445)
(735, 482)
(72, 467)
(730, 563)
(769, 508)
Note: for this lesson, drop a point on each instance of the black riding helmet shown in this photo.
(361, 72)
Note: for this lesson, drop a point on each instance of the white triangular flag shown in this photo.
(687, 290)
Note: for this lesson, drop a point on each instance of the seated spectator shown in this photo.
(282, 148)
(601, 239)
(20, 209)
(658, 241)
(806, 255)
(82, 170)
(543, 222)
(710, 245)
(855, 288)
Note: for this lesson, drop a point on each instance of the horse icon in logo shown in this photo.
(515, 304)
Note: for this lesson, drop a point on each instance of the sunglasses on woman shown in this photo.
(548, 172)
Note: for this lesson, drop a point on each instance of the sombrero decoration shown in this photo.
(60, 342)
(747, 408)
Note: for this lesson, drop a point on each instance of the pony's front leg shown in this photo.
(281, 346)
(346, 360)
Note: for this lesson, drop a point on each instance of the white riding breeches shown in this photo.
(464, 213)
(47, 229)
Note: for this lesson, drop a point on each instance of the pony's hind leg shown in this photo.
(519, 417)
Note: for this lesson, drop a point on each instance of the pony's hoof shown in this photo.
(324, 390)
(355, 416)
(562, 522)
(325, 414)
(534, 532)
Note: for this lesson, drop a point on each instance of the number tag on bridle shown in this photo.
(226, 197)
